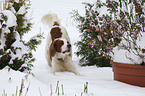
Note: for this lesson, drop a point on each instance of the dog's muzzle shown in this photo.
(60, 59)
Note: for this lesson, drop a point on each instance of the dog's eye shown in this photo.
(63, 52)
(69, 45)
(61, 43)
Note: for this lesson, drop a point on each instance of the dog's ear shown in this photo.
(55, 47)
(52, 50)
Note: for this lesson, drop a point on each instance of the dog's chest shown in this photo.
(61, 66)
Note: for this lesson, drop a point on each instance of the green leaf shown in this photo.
(120, 3)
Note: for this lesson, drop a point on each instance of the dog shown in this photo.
(58, 50)
(60, 56)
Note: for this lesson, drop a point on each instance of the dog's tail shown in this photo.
(50, 19)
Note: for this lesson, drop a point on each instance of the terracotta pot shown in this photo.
(129, 73)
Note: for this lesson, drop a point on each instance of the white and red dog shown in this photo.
(58, 47)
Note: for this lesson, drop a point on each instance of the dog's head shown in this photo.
(60, 48)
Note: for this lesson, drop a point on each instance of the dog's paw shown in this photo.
(53, 72)
(77, 73)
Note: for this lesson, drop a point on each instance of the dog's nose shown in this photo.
(69, 45)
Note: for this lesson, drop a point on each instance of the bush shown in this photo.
(16, 53)
(104, 26)
(100, 34)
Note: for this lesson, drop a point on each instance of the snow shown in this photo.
(100, 83)
(13, 79)
(11, 18)
(100, 80)
(11, 21)
(19, 52)
(103, 11)
(22, 10)
(17, 1)
(120, 54)
(5, 30)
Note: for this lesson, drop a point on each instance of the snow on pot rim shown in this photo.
(120, 55)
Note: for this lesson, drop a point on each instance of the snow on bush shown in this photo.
(16, 53)
(11, 18)
(107, 25)
(100, 33)
(124, 56)
(131, 18)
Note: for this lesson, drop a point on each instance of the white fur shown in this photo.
(49, 19)
(64, 47)
(66, 64)
(49, 41)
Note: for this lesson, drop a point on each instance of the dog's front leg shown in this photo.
(71, 67)
(53, 68)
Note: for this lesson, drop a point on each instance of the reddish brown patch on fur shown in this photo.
(52, 51)
(58, 44)
(56, 24)
(55, 33)
(55, 47)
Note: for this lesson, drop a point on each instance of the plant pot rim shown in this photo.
(129, 73)
(127, 65)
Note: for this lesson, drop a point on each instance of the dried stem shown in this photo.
(16, 91)
(27, 89)
(51, 90)
(40, 92)
(57, 86)
(62, 90)
(86, 88)
(22, 86)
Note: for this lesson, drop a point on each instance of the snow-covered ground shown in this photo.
(100, 83)
(100, 80)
